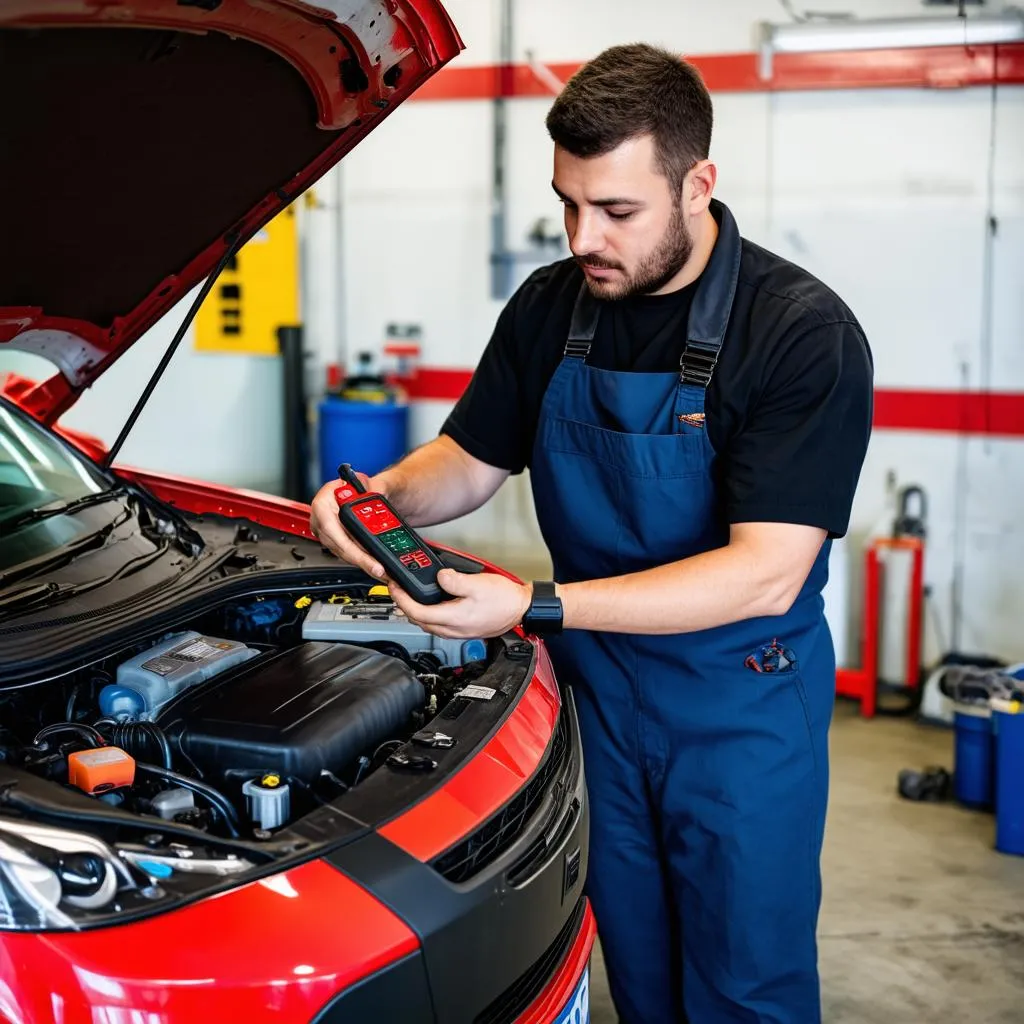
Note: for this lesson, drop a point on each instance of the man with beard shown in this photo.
(694, 412)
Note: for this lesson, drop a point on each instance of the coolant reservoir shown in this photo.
(148, 681)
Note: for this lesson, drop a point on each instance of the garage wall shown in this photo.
(886, 194)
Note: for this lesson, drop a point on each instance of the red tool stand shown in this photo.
(862, 683)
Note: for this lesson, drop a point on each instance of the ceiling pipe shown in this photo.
(886, 33)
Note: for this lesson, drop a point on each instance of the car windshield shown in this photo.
(39, 475)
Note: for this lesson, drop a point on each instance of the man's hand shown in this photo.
(327, 528)
(485, 605)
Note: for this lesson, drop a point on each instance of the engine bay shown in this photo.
(245, 719)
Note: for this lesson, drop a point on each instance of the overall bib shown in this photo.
(706, 752)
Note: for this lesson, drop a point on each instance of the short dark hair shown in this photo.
(630, 91)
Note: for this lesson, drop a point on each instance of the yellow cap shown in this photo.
(270, 781)
(304, 602)
(379, 591)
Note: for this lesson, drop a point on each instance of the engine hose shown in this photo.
(128, 735)
(427, 663)
(69, 711)
(160, 739)
(84, 732)
(213, 796)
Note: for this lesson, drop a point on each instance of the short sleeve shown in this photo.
(797, 457)
(489, 420)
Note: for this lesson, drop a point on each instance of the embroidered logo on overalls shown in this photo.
(771, 657)
(693, 419)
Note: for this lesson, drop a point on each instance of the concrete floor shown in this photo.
(922, 921)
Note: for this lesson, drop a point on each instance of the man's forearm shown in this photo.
(438, 482)
(740, 581)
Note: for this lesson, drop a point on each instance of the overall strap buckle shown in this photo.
(698, 362)
(586, 311)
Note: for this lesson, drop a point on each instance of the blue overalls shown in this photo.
(705, 753)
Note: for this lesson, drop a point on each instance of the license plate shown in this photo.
(577, 1010)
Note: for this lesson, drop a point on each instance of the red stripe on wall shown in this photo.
(926, 67)
(435, 383)
(972, 412)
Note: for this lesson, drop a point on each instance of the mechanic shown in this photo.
(694, 412)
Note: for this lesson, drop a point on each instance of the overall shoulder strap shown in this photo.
(712, 305)
(585, 315)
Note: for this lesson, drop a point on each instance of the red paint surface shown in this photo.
(924, 67)
(277, 949)
(561, 987)
(202, 498)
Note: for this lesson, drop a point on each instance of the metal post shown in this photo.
(296, 427)
(501, 260)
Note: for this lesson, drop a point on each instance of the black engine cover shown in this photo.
(295, 711)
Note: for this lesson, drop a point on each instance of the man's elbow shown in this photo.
(778, 559)
(779, 595)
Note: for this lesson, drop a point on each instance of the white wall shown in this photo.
(883, 193)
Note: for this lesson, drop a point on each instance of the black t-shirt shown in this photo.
(788, 409)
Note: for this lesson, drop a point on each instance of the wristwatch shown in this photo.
(544, 616)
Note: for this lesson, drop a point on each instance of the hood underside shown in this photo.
(141, 137)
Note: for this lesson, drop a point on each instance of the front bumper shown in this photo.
(367, 934)
(491, 946)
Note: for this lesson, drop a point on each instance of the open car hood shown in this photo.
(141, 137)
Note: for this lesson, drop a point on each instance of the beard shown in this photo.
(653, 271)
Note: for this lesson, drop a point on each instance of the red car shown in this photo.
(235, 784)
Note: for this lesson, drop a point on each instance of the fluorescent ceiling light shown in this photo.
(889, 33)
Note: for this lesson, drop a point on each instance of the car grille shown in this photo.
(496, 835)
(525, 989)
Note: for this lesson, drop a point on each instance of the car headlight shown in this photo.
(56, 879)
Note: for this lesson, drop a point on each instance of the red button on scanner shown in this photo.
(377, 516)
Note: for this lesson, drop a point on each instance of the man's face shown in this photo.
(626, 226)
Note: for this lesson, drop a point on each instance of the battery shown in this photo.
(368, 623)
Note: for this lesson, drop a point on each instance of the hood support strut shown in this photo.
(234, 242)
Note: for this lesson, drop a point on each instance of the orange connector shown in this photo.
(101, 769)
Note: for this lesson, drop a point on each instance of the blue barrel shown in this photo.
(974, 759)
(369, 435)
(1008, 727)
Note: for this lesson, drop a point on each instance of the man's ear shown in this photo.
(698, 187)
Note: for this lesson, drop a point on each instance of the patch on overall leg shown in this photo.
(773, 657)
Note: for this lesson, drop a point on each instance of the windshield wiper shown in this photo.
(34, 515)
(37, 593)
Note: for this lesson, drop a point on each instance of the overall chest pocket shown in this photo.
(653, 494)
(640, 456)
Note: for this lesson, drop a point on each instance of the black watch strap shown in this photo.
(544, 616)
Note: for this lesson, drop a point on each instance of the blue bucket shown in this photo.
(974, 759)
(369, 435)
(1008, 728)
